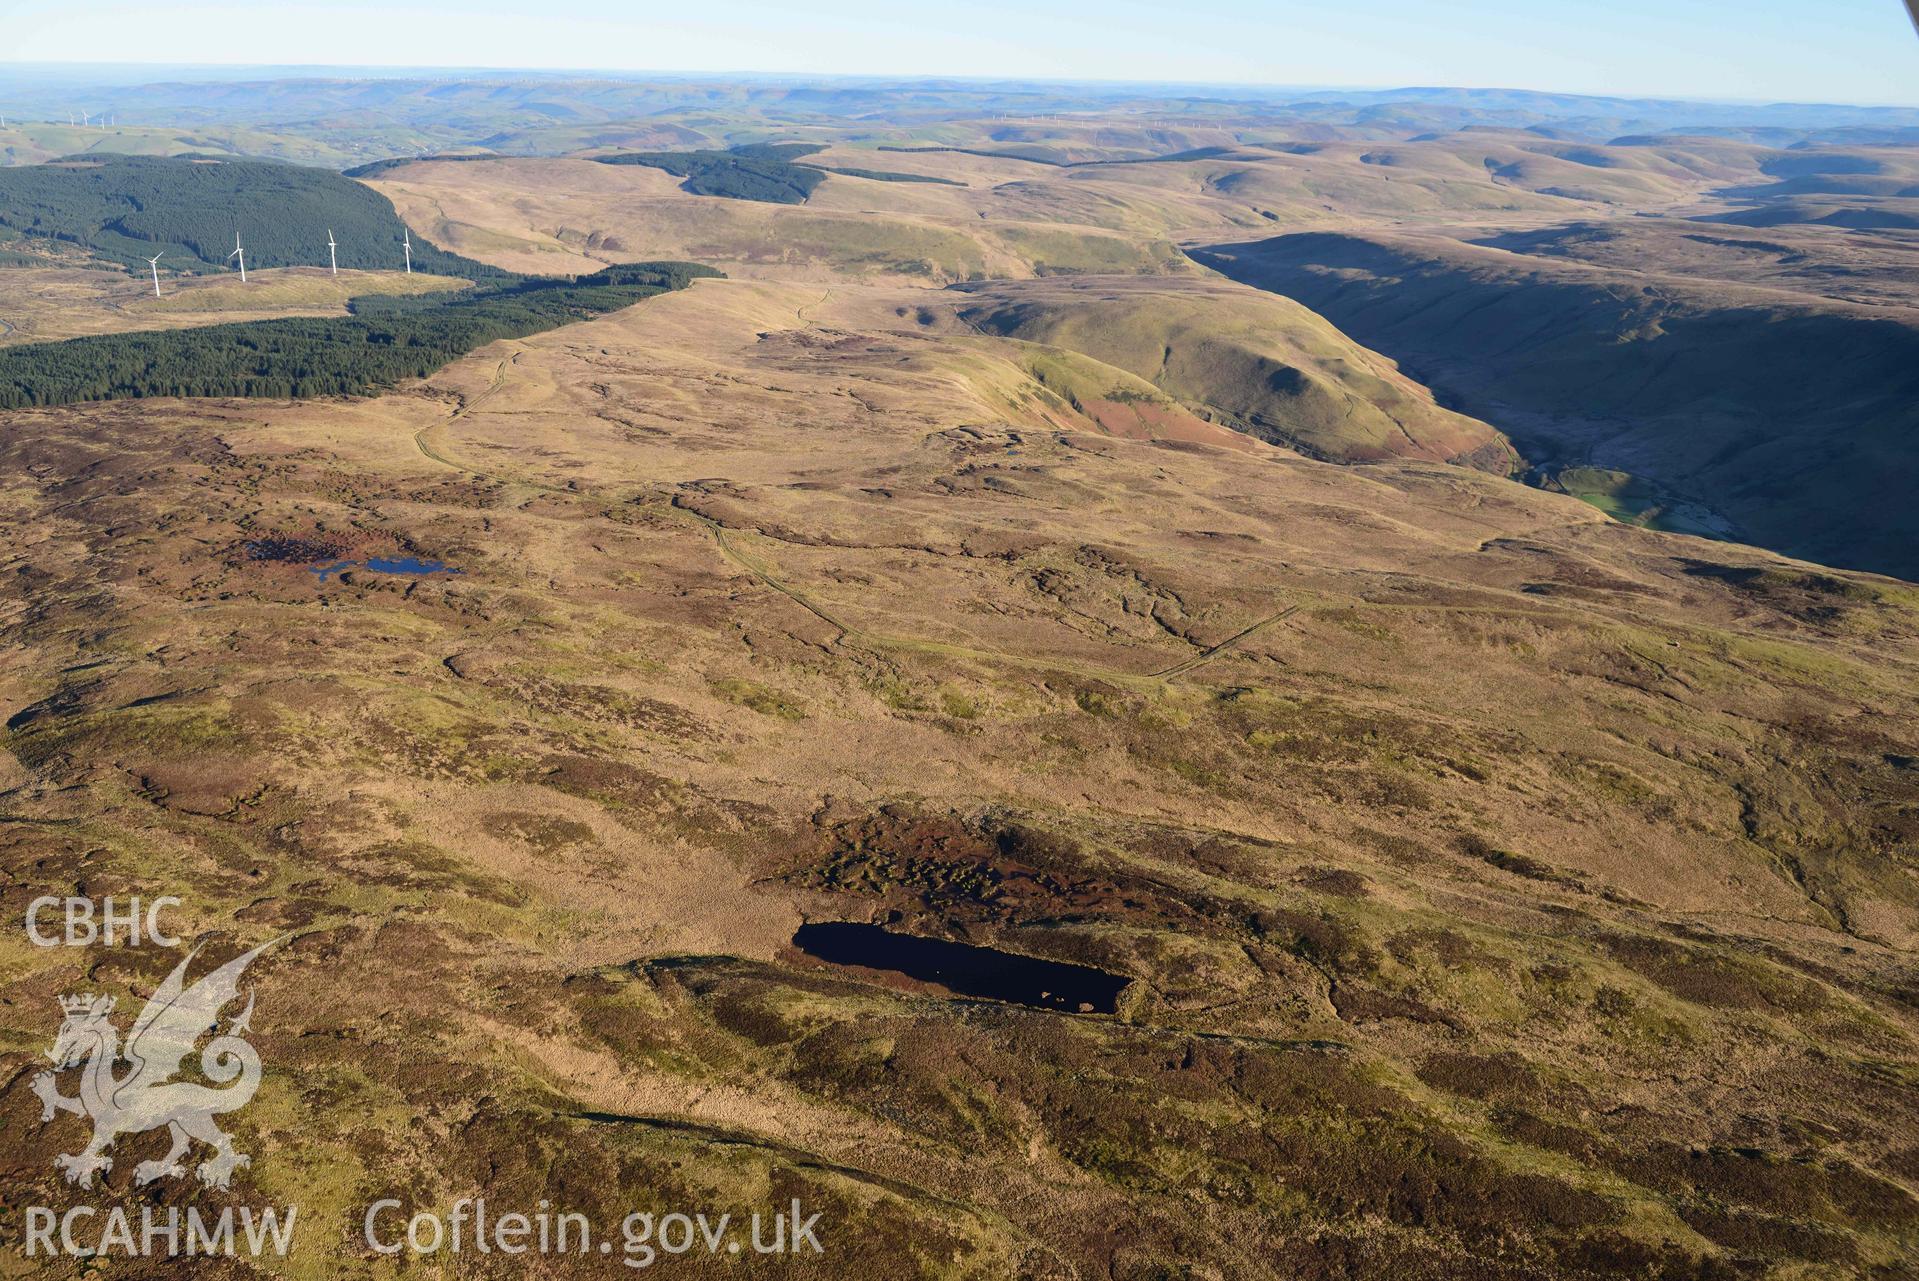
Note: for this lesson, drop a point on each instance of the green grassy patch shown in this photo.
(756, 697)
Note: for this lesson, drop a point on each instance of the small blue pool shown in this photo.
(386, 565)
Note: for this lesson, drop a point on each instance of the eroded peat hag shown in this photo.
(966, 969)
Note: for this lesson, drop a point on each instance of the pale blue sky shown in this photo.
(1778, 50)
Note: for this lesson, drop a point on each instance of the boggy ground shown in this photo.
(1509, 892)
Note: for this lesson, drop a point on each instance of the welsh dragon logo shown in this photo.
(145, 1096)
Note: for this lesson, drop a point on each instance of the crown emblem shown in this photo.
(146, 1095)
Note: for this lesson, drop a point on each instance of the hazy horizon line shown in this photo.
(297, 70)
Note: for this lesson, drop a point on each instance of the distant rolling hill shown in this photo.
(36, 142)
(1856, 214)
(125, 209)
(1804, 259)
(1790, 416)
(1261, 364)
(367, 114)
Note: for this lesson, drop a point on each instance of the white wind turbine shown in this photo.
(332, 251)
(406, 243)
(154, 262)
(241, 254)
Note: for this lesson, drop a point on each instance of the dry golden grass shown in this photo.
(45, 304)
(1256, 361)
(288, 290)
(1010, 218)
(1496, 878)
(575, 215)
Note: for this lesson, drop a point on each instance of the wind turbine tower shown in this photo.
(332, 251)
(241, 254)
(154, 262)
(406, 243)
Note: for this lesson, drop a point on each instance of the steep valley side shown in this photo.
(1789, 416)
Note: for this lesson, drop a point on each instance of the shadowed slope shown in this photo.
(1791, 417)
